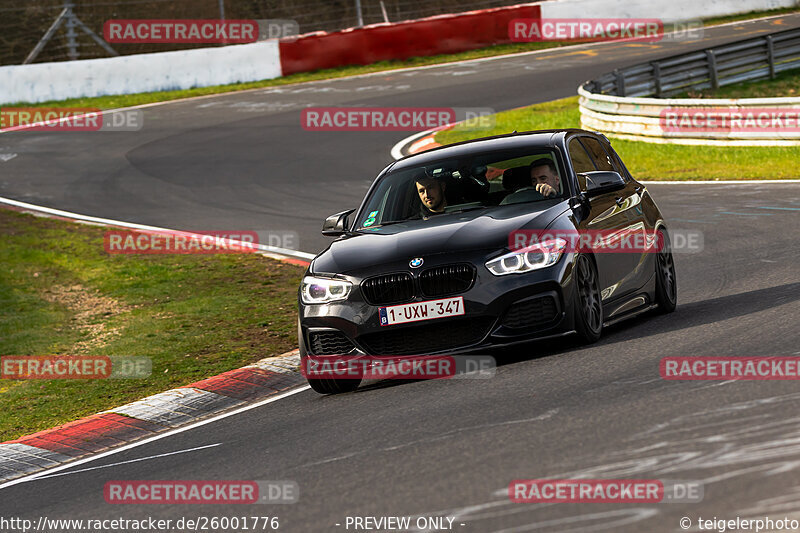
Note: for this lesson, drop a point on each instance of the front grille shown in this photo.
(388, 289)
(329, 343)
(531, 313)
(427, 338)
(448, 279)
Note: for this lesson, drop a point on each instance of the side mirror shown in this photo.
(337, 224)
(580, 205)
(602, 181)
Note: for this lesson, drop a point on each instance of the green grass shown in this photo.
(128, 100)
(647, 161)
(785, 84)
(194, 316)
(748, 16)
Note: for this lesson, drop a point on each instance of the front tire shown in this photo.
(330, 385)
(666, 282)
(323, 385)
(588, 307)
(334, 386)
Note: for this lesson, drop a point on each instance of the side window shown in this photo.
(580, 161)
(598, 153)
(618, 164)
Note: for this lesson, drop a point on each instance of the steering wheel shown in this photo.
(526, 194)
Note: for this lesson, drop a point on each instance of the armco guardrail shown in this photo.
(748, 60)
(628, 103)
(671, 11)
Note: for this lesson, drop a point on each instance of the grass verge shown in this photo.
(128, 100)
(648, 161)
(194, 316)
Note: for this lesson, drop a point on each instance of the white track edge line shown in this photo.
(43, 473)
(295, 254)
(137, 460)
(397, 150)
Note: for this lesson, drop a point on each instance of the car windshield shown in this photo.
(479, 181)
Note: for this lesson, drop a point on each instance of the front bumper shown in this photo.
(499, 310)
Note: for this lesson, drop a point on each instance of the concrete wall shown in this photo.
(668, 11)
(642, 119)
(442, 34)
(161, 71)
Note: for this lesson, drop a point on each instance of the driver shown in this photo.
(431, 194)
(544, 177)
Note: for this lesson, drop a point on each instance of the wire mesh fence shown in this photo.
(24, 24)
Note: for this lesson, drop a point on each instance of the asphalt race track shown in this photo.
(450, 448)
(242, 161)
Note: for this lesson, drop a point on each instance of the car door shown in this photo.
(643, 209)
(610, 212)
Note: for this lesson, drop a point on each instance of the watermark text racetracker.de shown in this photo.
(80, 119)
(180, 31)
(730, 368)
(195, 31)
(201, 492)
(206, 242)
(605, 491)
(602, 29)
(74, 367)
(396, 118)
(635, 238)
(730, 120)
(398, 366)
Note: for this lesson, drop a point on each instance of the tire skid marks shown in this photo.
(752, 438)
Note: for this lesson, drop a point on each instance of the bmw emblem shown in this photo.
(416, 262)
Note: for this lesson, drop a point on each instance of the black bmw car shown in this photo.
(428, 263)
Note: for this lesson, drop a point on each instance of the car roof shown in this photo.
(538, 139)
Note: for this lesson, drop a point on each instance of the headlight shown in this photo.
(323, 290)
(534, 257)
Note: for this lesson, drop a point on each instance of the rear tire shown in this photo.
(588, 307)
(666, 282)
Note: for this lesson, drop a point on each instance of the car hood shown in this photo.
(484, 229)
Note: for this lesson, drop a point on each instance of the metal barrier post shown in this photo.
(620, 80)
(771, 56)
(712, 69)
(657, 77)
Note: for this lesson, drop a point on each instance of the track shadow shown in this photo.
(646, 325)
(706, 312)
(686, 316)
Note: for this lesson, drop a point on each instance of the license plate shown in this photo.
(400, 314)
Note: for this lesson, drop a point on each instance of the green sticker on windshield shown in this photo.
(373, 214)
(370, 221)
